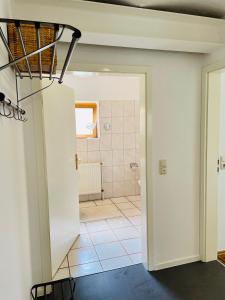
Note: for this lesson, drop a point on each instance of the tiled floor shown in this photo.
(108, 243)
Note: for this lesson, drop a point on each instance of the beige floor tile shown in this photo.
(82, 241)
(97, 226)
(86, 269)
(62, 273)
(103, 202)
(134, 198)
(119, 200)
(87, 204)
(125, 205)
(135, 220)
(126, 233)
(102, 237)
(99, 212)
(137, 204)
(115, 263)
(109, 250)
(119, 222)
(131, 212)
(132, 245)
(82, 256)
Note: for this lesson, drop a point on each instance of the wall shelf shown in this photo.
(31, 47)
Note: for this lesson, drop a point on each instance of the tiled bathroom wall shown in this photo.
(117, 146)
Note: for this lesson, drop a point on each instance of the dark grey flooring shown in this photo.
(196, 281)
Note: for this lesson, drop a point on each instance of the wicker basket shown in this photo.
(30, 42)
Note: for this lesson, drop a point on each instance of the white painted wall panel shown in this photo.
(176, 98)
(14, 229)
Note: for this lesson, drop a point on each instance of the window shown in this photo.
(85, 113)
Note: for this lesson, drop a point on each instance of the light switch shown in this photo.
(162, 167)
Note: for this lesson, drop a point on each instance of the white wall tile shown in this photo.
(137, 108)
(106, 142)
(129, 155)
(137, 141)
(107, 174)
(118, 173)
(129, 108)
(117, 108)
(129, 140)
(103, 126)
(93, 144)
(106, 158)
(82, 156)
(118, 189)
(129, 125)
(117, 124)
(129, 187)
(108, 191)
(105, 109)
(118, 157)
(129, 174)
(116, 147)
(117, 141)
(81, 144)
(94, 156)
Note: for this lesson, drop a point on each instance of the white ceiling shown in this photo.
(208, 8)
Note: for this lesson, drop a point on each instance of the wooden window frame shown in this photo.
(94, 107)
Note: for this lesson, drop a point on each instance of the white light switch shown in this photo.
(162, 167)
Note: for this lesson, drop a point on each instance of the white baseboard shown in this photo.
(177, 262)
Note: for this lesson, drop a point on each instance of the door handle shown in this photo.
(76, 161)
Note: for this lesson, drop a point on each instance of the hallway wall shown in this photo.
(15, 270)
(174, 108)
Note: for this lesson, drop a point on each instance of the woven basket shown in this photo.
(30, 42)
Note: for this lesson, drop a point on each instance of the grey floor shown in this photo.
(196, 281)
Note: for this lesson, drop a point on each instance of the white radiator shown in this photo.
(90, 178)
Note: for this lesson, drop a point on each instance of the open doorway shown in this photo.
(221, 173)
(213, 166)
(108, 142)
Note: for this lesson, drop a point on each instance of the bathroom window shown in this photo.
(86, 125)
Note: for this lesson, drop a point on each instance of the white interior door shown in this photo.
(62, 177)
(209, 171)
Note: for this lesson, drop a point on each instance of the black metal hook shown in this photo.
(10, 110)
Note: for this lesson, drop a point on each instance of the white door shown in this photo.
(62, 177)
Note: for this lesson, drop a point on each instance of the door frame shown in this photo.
(209, 157)
(146, 148)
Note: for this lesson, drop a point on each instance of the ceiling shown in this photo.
(207, 8)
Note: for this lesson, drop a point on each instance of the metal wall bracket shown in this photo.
(14, 61)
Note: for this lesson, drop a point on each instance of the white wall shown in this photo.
(175, 94)
(221, 178)
(104, 87)
(15, 270)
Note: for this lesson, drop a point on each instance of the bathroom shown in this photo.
(107, 117)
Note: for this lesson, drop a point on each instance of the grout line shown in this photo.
(88, 233)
